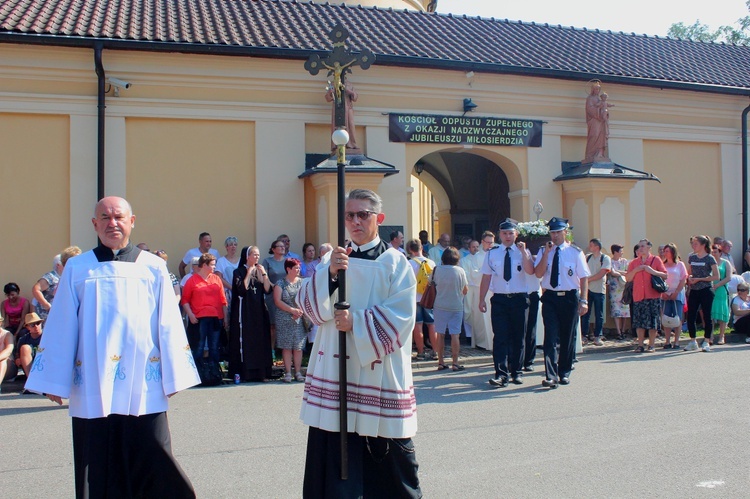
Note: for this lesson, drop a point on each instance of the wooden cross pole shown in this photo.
(339, 63)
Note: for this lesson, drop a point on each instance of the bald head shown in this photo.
(113, 221)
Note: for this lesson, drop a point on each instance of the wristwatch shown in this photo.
(581, 300)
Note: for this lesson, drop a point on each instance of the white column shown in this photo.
(83, 182)
(394, 188)
(280, 195)
(545, 163)
(115, 162)
(731, 200)
(629, 152)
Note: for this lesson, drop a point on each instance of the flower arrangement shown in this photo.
(538, 229)
(533, 230)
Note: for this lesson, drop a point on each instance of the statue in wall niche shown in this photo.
(597, 122)
(350, 97)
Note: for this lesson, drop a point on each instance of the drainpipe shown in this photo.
(100, 120)
(744, 178)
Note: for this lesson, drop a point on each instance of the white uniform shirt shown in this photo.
(572, 267)
(494, 265)
(533, 283)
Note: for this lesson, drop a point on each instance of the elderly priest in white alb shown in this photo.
(114, 344)
(382, 417)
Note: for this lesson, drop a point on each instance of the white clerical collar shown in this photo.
(366, 246)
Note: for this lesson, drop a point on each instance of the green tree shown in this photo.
(739, 34)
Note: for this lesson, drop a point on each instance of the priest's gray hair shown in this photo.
(127, 204)
(367, 195)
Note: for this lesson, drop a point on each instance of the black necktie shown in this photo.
(506, 265)
(554, 277)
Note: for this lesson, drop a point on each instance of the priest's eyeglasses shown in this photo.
(361, 215)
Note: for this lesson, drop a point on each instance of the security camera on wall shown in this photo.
(119, 83)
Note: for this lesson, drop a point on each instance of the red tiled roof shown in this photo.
(281, 28)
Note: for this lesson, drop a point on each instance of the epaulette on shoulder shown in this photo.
(575, 247)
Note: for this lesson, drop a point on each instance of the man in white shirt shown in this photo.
(504, 273)
(563, 270)
(397, 240)
(115, 346)
(204, 246)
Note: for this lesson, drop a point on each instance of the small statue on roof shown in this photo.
(597, 122)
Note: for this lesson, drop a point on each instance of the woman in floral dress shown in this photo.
(615, 285)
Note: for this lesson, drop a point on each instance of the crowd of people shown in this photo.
(240, 314)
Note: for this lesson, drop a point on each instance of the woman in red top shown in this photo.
(646, 300)
(205, 305)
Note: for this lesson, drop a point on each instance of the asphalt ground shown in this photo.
(669, 424)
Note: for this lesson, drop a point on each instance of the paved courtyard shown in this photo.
(668, 424)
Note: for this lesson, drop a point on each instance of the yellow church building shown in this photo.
(201, 114)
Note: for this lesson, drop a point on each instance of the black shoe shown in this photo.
(549, 383)
(565, 381)
(500, 381)
(528, 369)
(517, 380)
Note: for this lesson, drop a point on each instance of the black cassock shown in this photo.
(254, 363)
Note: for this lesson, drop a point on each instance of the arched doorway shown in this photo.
(468, 193)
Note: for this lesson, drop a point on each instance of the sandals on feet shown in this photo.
(442, 367)
(287, 378)
(457, 367)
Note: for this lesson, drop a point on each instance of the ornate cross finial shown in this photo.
(339, 63)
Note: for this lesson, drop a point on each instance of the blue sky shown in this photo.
(651, 17)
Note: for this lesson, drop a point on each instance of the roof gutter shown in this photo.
(385, 60)
(744, 179)
(101, 107)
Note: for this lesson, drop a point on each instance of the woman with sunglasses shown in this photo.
(720, 305)
(703, 270)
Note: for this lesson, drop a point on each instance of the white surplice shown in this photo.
(480, 323)
(382, 298)
(114, 341)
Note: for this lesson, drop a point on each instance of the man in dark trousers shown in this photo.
(563, 270)
(381, 414)
(115, 346)
(504, 272)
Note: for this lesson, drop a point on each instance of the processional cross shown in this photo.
(339, 63)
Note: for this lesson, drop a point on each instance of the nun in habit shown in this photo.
(250, 329)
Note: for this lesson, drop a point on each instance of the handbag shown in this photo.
(658, 283)
(627, 293)
(669, 317)
(428, 297)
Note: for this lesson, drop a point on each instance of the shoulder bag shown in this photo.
(669, 317)
(657, 282)
(627, 293)
(428, 297)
